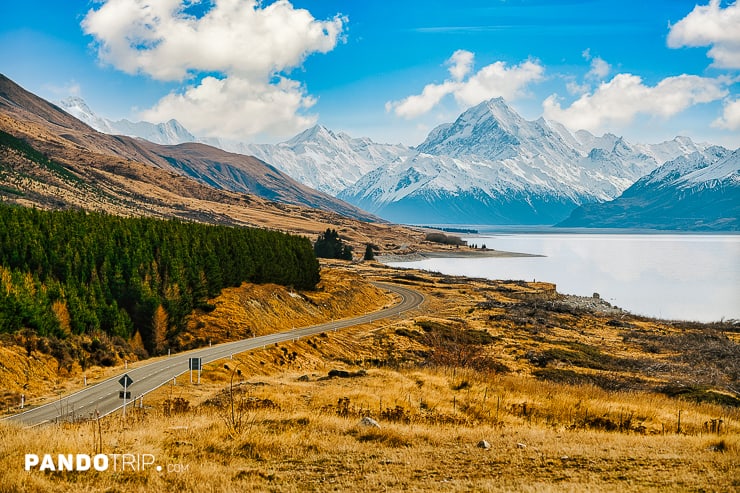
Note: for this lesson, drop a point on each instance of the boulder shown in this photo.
(368, 422)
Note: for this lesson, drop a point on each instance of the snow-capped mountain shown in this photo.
(493, 166)
(168, 133)
(322, 159)
(488, 166)
(700, 191)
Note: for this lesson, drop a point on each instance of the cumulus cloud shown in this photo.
(498, 79)
(236, 107)
(461, 63)
(730, 119)
(418, 104)
(599, 69)
(494, 80)
(245, 48)
(619, 101)
(711, 25)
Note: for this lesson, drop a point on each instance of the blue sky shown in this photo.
(261, 72)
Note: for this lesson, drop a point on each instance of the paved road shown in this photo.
(103, 398)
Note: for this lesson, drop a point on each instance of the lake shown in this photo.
(671, 276)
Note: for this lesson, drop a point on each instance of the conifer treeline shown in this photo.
(71, 272)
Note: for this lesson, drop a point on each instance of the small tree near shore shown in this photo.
(330, 245)
(369, 252)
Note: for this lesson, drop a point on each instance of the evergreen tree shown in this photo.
(72, 272)
(369, 252)
(330, 245)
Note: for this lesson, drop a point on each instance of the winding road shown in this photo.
(103, 398)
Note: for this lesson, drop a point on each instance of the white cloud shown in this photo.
(497, 80)
(711, 25)
(730, 119)
(245, 45)
(619, 101)
(72, 88)
(418, 104)
(236, 107)
(599, 69)
(461, 63)
(494, 80)
(575, 88)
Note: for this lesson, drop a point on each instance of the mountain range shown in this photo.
(698, 192)
(50, 159)
(169, 133)
(489, 166)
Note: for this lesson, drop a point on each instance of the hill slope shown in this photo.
(69, 140)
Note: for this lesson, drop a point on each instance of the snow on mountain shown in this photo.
(79, 109)
(699, 191)
(493, 131)
(516, 170)
(322, 159)
(168, 133)
(671, 149)
(585, 142)
(726, 170)
(682, 167)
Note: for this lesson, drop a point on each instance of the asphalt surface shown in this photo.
(104, 398)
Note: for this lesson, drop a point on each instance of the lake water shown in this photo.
(671, 276)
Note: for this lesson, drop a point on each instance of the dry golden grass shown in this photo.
(296, 436)
(264, 309)
(294, 429)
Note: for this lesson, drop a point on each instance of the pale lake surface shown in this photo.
(671, 276)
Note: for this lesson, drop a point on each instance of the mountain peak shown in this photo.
(74, 101)
(487, 129)
(492, 130)
(317, 133)
(493, 108)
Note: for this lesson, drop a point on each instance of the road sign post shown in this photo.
(125, 382)
(194, 364)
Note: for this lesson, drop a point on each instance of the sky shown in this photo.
(263, 71)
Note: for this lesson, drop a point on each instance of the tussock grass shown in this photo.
(571, 406)
(306, 443)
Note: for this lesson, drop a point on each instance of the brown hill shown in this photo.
(49, 159)
(206, 164)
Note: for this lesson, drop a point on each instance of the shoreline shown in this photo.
(457, 253)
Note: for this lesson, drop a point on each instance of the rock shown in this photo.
(346, 374)
(304, 378)
(339, 373)
(368, 422)
(484, 445)
(521, 445)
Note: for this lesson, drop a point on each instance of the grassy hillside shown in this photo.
(570, 394)
(238, 312)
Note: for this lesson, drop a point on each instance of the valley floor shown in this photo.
(489, 386)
